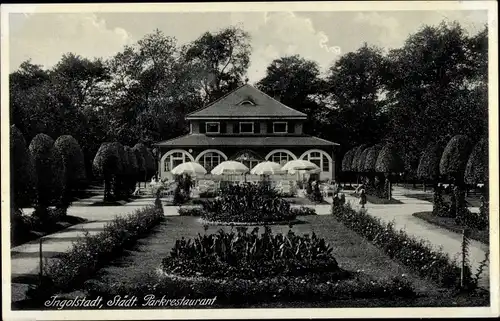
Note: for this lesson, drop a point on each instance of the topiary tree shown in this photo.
(108, 165)
(476, 169)
(141, 164)
(74, 163)
(23, 174)
(454, 159)
(50, 171)
(452, 165)
(347, 161)
(149, 160)
(360, 166)
(389, 162)
(428, 167)
(369, 166)
(356, 155)
(132, 170)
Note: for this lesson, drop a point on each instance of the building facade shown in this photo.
(249, 126)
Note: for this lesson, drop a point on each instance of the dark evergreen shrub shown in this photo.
(476, 170)
(23, 174)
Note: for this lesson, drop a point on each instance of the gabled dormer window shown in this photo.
(280, 127)
(212, 127)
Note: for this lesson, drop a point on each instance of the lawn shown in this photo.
(351, 251)
(471, 201)
(449, 224)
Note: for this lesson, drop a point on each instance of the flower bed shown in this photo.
(250, 255)
(90, 253)
(410, 251)
(248, 203)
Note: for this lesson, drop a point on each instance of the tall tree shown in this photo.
(221, 60)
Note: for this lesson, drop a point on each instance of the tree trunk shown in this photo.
(424, 186)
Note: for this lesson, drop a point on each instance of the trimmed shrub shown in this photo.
(248, 202)
(455, 157)
(476, 170)
(360, 167)
(23, 173)
(388, 160)
(194, 211)
(50, 170)
(132, 171)
(149, 160)
(74, 163)
(428, 167)
(141, 164)
(412, 252)
(357, 153)
(371, 158)
(108, 165)
(92, 252)
(347, 160)
(440, 208)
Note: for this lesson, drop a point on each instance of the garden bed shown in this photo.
(450, 224)
(377, 200)
(351, 251)
(222, 223)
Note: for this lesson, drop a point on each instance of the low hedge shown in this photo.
(303, 211)
(244, 292)
(92, 252)
(412, 252)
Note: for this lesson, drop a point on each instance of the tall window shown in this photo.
(210, 160)
(212, 128)
(246, 127)
(175, 159)
(280, 127)
(281, 158)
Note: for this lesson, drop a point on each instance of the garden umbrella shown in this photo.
(267, 168)
(297, 165)
(192, 168)
(230, 167)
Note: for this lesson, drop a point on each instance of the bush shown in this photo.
(455, 157)
(248, 202)
(108, 164)
(412, 252)
(347, 160)
(303, 211)
(356, 155)
(388, 160)
(23, 173)
(149, 161)
(371, 158)
(74, 164)
(476, 170)
(90, 253)
(50, 173)
(428, 167)
(191, 211)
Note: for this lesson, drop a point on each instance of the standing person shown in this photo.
(362, 197)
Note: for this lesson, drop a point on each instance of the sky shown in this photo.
(319, 36)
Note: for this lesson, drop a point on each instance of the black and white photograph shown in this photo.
(250, 160)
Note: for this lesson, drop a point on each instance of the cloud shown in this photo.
(277, 34)
(45, 37)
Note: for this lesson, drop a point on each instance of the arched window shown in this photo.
(210, 158)
(319, 158)
(280, 156)
(174, 158)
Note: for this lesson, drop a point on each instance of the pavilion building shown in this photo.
(249, 126)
